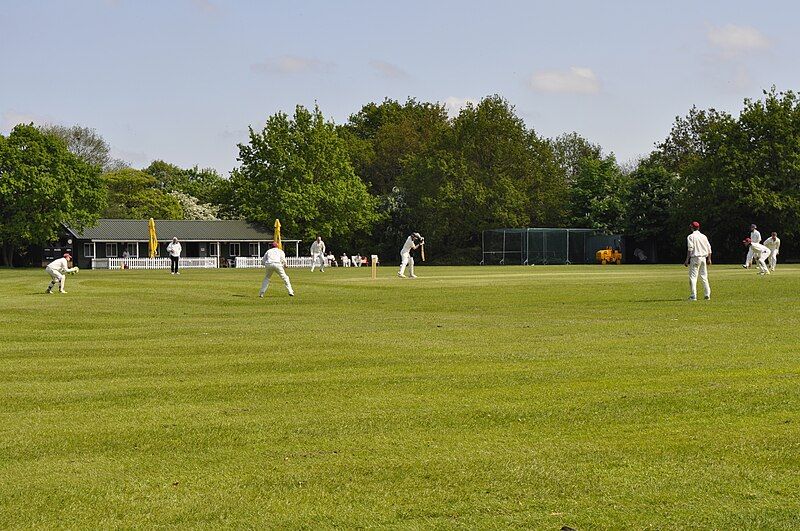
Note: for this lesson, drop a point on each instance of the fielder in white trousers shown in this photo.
(698, 267)
(318, 254)
(773, 243)
(698, 258)
(274, 260)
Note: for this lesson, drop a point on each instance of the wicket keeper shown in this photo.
(56, 269)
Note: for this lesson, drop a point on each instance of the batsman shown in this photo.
(413, 242)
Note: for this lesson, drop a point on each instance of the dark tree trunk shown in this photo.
(8, 254)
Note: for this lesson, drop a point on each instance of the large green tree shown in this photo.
(42, 186)
(87, 144)
(599, 195)
(733, 171)
(132, 194)
(488, 171)
(297, 169)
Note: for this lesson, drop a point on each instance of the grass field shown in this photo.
(594, 397)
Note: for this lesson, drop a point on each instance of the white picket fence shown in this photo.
(255, 261)
(153, 263)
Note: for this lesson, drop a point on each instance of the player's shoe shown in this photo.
(291, 294)
(48, 291)
(62, 291)
(692, 298)
(707, 297)
(413, 276)
(745, 267)
(401, 275)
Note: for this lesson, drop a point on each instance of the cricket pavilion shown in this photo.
(124, 243)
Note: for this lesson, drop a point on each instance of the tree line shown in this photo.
(396, 167)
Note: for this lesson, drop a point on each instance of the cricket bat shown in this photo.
(422, 251)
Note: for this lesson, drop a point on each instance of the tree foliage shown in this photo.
(734, 171)
(600, 196)
(132, 194)
(297, 169)
(42, 186)
(87, 144)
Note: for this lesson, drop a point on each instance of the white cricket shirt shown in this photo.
(58, 265)
(755, 236)
(407, 246)
(274, 256)
(698, 245)
(318, 247)
(773, 243)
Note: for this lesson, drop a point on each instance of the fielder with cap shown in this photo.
(761, 252)
(756, 237)
(57, 269)
(698, 258)
(274, 261)
(412, 244)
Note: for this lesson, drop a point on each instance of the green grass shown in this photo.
(594, 397)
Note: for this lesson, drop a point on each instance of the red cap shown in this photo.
(695, 225)
(747, 240)
(68, 256)
(275, 244)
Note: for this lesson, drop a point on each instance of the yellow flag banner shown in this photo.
(277, 236)
(151, 228)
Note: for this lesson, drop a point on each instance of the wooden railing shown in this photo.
(255, 261)
(153, 263)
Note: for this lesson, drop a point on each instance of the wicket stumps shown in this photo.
(374, 265)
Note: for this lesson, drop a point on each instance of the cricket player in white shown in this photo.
(698, 258)
(756, 237)
(412, 243)
(174, 250)
(761, 252)
(318, 254)
(773, 243)
(56, 269)
(274, 261)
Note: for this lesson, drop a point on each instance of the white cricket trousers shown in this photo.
(749, 259)
(318, 259)
(56, 278)
(762, 262)
(773, 259)
(408, 260)
(275, 268)
(697, 267)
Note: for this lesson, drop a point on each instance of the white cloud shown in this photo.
(734, 40)
(453, 104)
(12, 118)
(577, 80)
(388, 70)
(289, 64)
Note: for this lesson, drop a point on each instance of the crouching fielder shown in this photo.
(760, 252)
(698, 258)
(412, 244)
(274, 261)
(57, 269)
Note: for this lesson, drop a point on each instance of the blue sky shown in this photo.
(181, 80)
